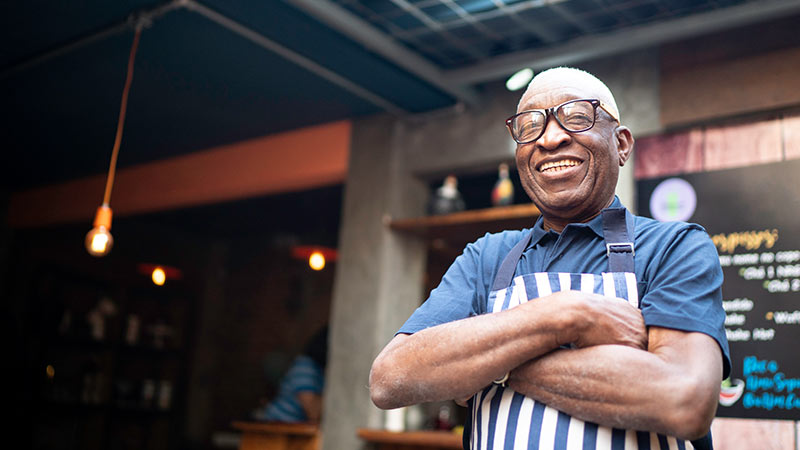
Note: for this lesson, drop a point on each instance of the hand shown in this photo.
(613, 321)
(605, 321)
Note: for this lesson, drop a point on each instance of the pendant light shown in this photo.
(99, 240)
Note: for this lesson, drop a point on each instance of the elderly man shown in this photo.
(595, 328)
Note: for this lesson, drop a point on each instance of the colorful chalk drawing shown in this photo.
(731, 391)
(673, 199)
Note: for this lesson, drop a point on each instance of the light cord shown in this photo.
(112, 168)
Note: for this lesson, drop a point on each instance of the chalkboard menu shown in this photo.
(753, 216)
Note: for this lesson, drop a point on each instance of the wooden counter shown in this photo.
(411, 440)
(278, 436)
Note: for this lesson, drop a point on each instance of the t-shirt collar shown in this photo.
(596, 225)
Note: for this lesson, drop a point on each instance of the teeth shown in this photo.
(558, 165)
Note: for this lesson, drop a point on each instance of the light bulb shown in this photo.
(519, 80)
(99, 240)
(159, 276)
(316, 261)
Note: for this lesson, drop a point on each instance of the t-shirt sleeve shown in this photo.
(457, 296)
(306, 376)
(684, 290)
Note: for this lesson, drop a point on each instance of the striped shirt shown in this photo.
(303, 376)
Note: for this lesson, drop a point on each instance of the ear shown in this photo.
(624, 143)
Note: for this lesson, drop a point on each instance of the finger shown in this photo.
(462, 401)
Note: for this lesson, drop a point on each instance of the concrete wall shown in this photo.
(378, 280)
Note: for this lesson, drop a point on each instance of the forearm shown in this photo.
(311, 403)
(457, 359)
(624, 387)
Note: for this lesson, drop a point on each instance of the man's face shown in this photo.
(571, 177)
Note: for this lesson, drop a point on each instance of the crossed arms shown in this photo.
(621, 375)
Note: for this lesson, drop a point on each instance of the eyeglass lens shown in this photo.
(574, 116)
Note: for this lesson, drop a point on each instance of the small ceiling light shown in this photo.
(99, 240)
(159, 273)
(159, 276)
(316, 261)
(50, 371)
(519, 80)
(316, 255)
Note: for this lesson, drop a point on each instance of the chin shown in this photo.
(571, 209)
(563, 201)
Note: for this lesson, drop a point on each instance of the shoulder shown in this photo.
(304, 374)
(304, 365)
(464, 287)
(647, 226)
(657, 243)
(650, 232)
(683, 241)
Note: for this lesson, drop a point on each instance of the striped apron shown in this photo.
(500, 418)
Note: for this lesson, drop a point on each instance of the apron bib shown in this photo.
(500, 418)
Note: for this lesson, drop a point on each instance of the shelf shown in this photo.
(300, 429)
(110, 369)
(273, 435)
(466, 226)
(412, 439)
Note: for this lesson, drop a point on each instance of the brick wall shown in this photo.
(718, 147)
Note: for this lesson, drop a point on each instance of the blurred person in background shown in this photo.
(299, 397)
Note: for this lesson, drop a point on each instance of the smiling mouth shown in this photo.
(558, 166)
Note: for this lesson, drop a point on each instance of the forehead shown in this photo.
(549, 93)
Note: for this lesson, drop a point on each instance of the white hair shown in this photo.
(570, 76)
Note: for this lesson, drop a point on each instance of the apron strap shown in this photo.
(509, 265)
(619, 246)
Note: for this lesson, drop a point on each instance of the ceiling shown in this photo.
(212, 72)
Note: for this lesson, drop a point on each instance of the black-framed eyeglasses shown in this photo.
(574, 116)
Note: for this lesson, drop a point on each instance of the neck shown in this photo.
(558, 224)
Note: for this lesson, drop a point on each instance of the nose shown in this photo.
(554, 135)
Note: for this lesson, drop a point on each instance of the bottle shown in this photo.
(132, 330)
(503, 192)
(148, 393)
(447, 199)
(443, 421)
(395, 419)
(164, 395)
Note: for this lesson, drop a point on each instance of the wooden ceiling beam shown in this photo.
(295, 160)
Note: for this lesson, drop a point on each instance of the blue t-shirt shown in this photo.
(677, 270)
(303, 376)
